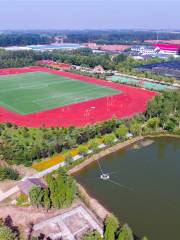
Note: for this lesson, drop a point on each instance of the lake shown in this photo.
(144, 186)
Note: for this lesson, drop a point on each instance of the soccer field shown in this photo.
(38, 91)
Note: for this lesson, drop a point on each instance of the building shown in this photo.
(144, 50)
(170, 68)
(71, 224)
(59, 39)
(98, 69)
(168, 48)
(26, 185)
(107, 48)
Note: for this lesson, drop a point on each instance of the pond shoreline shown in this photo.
(104, 153)
(115, 148)
(93, 204)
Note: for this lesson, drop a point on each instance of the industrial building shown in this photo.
(170, 68)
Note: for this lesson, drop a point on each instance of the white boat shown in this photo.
(104, 176)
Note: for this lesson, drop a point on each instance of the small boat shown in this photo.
(104, 176)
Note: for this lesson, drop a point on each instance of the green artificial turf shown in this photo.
(38, 91)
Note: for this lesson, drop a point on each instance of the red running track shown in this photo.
(126, 104)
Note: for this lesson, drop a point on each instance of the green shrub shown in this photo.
(92, 235)
(122, 131)
(7, 234)
(83, 149)
(108, 139)
(93, 144)
(8, 173)
(22, 199)
(125, 233)
(68, 158)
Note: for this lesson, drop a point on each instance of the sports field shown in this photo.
(36, 96)
(33, 92)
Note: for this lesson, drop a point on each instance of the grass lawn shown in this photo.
(38, 91)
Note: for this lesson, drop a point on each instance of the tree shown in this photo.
(125, 233)
(111, 227)
(92, 235)
(93, 144)
(8, 173)
(36, 195)
(83, 149)
(68, 158)
(170, 125)
(120, 58)
(47, 201)
(153, 122)
(122, 131)
(136, 128)
(7, 234)
(144, 238)
(62, 188)
(109, 138)
(35, 238)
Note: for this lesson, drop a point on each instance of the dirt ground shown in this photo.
(6, 185)
(26, 215)
(22, 170)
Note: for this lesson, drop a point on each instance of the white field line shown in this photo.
(9, 107)
(46, 83)
(75, 93)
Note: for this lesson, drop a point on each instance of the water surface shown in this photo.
(145, 187)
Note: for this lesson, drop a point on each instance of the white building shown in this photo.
(145, 50)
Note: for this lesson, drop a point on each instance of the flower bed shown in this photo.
(48, 163)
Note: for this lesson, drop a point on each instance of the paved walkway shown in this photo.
(10, 192)
(4, 195)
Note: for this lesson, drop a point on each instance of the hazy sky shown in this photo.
(89, 14)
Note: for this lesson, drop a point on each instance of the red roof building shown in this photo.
(108, 48)
(168, 47)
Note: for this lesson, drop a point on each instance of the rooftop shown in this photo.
(25, 186)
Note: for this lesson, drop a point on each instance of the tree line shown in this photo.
(23, 39)
(81, 57)
(75, 36)
(97, 36)
(118, 37)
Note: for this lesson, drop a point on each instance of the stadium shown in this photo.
(38, 96)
